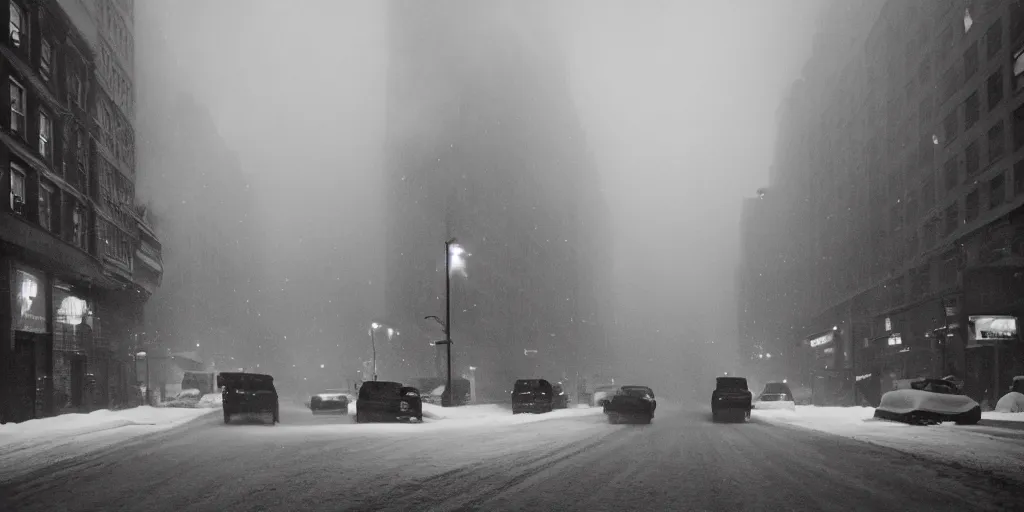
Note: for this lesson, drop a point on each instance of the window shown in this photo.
(971, 111)
(996, 142)
(45, 136)
(994, 39)
(17, 108)
(951, 175)
(17, 25)
(80, 149)
(972, 205)
(45, 206)
(950, 125)
(952, 216)
(972, 158)
(951, 82)
(76, 89)
(971, 61)
(45, 59)
(994, 87)
(78, 227)
(997, 191)
(1018, 128)
(17, 190)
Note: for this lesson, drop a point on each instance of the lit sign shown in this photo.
(830, 350)
(29, 305)
(895, 339)
(987, 329)
(888, 324)
(824, 339)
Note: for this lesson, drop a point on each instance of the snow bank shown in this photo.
(436, 412)
(211, 401)
(1010, 403)
(70, 425)
(981, 447)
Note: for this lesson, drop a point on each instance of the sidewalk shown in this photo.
(36, 443)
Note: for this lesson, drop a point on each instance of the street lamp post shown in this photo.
(373, 345)
(146, 357)
(446, 399)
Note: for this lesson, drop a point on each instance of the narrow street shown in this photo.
(681, 462)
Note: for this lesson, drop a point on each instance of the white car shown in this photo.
(776, 395)
(928, 402)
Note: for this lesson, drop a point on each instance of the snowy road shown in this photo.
(573, 462)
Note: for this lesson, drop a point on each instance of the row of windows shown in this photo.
(46, 208)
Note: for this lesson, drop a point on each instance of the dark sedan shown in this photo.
(631, 403)
(388, 401)
(330, 401)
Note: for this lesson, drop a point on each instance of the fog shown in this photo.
(677, 101)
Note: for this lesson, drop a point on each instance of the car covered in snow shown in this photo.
(775, 395)
(249, 394)
(381, 401)
(928, 402)
(631, 403)
(330, 401)
(731, 399)
(602, 394)
(560, 399)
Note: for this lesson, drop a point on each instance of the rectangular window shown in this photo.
(996, 142)
(994, 39)
(972, 159)
(972, 206)
(994, 87)
(17, 24)
(950, 126)
(17, 190)
(997, 191)
(971, 60)
(80, 149)
(1018, 128)
(18, 103)
(45, 59)
(76, 89)
(952, 216)
(45, 136)
(46, 206)
(78, 226)
(951, 174)
(971, 111)
(951, 82)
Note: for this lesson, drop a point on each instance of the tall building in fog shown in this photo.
(896, 192)
(80, 259)
(204, 208)
(483, 144)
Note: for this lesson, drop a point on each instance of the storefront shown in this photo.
(29, 382)
(75, 368)
(993, 359)
(825, 375)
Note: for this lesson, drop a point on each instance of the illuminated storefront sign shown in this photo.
(824, 339)
(895, 339)
(986, 330)
(28, 305)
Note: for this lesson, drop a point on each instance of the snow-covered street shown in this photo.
(483, 458)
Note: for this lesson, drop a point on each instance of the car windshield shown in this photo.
(732, 383)
(379, 390)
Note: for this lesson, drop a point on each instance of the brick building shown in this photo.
(897, 190)
(79, 259)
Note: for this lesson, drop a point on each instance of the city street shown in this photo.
(578, 462)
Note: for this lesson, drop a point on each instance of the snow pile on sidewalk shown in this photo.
(466, 412)
(1012, 402)
(979, 446)
(70, 425)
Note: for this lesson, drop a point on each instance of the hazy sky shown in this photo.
(678, 99)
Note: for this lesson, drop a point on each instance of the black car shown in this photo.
(532, 395)
(249, 394)
(631, 403)
(330, 401)
(731, 399)
(381, 401)
(559, 400)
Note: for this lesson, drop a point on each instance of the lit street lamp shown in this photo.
(143, 356)
(373, 342)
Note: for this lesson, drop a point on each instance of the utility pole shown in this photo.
(447, 398)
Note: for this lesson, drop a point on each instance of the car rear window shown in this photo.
(249, 382)
(637, 392)
(732, 383)
(776, 388)
(377, 390)
(529, 385)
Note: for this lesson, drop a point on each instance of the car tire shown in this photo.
(227, 417)
(649, 420)
(714, 416)
(613, 419)
(359, 417)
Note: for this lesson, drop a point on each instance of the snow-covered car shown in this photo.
(928, 402)
(330, 401)
(602, 395)
(636, 403)
(775, 395)
(1014, 400)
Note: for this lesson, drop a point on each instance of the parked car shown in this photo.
(249, 394)
(731, 399)
(559, 399)
(532, 395)
(775, 395)
(330, 401)
(928, 402)
(381, 401)
(635, 403)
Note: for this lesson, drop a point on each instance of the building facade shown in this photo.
(79, 258)
(897, 191)
(504, 169)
